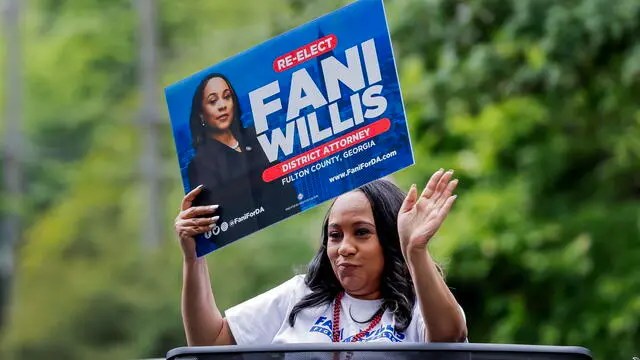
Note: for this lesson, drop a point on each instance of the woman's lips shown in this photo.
(346, 265)
(347, 269)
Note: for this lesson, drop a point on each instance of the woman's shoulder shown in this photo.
(249, 135)
(197, 158)
(278, 299)
(296, 284)
(249, 130)
(199, 172)
(294, 288)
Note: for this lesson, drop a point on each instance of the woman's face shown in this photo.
(217, 105)
(353, 247)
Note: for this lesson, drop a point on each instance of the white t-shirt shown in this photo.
(264, 319)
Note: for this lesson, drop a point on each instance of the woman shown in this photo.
(228, 162)
(371, 280)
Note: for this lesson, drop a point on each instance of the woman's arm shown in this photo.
(203, 322)
(440, 310)
(418, 220)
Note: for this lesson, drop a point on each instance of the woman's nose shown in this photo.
(223, 104)
(346, 248)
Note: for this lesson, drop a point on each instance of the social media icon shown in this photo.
(224, 226)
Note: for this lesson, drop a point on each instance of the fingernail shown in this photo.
(441, 170)
(215, 218)
(214, 207)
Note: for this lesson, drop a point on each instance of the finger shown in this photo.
(193, 231)
(439, 215)
(447, 193)
(431, 184)
(205, 221)
(198, 210)
(187, 200)
(410, 199)
(189, 227)
(197, 230)
(442, 213)
(442, 185)
(195, 222)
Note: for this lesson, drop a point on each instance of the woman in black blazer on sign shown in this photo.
(229, 162)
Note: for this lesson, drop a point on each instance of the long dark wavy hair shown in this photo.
(396, 284)
(200, 133)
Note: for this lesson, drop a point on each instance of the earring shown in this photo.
(202, 121)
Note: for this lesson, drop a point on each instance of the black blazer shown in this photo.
(233, 180)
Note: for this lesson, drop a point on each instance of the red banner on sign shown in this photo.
(328, 149)
(304, 53)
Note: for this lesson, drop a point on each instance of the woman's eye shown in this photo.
(362, 232)
(334, 235)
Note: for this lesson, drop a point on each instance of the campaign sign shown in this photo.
(293, 122)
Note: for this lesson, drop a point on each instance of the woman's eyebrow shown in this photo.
(357, 223)
(363, 222)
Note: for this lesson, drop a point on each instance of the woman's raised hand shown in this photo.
(188, 223)
(420, 217)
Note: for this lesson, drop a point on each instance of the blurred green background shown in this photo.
(534, 103)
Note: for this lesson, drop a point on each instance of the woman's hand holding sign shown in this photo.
(189, 222)
(202, 320)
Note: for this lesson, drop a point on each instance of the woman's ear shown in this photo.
(202, 121)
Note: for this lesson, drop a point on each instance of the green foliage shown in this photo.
(533, 103)
(79, 64)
